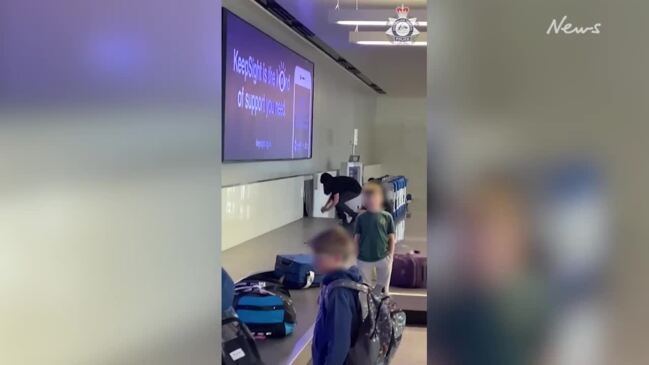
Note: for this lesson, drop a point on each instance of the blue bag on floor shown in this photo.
(297, 271)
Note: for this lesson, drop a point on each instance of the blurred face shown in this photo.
(496, 239)
(372, 200)
(326, 263)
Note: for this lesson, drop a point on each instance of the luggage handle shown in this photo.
(424, 275)
(310, 278)
(285, 262)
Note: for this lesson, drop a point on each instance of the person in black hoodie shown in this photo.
(339, 315)
(340, 189)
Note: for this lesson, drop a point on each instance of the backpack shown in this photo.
(382, 325)
(265, 307)
(238, 345)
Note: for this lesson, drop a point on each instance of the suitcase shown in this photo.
(266, 308)
(409, 270)
(395, 194)
(402, 183)
(297, 271)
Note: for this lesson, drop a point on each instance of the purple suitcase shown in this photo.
(409, 270)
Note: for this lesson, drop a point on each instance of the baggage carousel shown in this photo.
(414, 238)
(258, 255)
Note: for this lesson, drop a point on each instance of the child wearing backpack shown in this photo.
(375, 236)
(345, 333)
(339, 315)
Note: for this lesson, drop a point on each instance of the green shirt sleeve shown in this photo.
(391, 229)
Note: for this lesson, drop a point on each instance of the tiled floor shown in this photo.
(412, 350)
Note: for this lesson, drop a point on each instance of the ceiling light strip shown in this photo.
(287, 18)
(374, 38)
(372, 17)
(388, 43)
(374, 23)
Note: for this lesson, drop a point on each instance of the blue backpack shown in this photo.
(265, 307)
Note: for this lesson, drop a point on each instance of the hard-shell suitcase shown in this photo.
(297, 271)
(395, 194)
(409, 270)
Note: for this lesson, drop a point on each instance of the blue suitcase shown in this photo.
(297, 271)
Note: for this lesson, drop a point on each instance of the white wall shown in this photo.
(399, 137)
(110, 184)
(245, 208)
(341, 103)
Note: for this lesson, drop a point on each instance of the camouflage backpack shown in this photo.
(382, 325)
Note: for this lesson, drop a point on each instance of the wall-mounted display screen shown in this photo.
(268, 96)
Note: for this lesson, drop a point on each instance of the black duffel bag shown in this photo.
(238, 345)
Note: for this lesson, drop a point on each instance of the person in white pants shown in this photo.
(383, 270)
(375, 235)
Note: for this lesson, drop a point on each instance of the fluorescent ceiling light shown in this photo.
(370, 38)
(377, 23)
(388, 43)
(374, 23)
(373, 17)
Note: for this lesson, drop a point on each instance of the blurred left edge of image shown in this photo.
(110, 147)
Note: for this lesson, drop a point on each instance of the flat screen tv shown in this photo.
(267, 96)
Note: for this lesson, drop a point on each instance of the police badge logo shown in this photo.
(402, 29)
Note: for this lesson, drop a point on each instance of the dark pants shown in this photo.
(342, 208)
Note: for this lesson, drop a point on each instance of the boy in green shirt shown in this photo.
(375, 236)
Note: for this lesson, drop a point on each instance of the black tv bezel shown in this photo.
(224, 14)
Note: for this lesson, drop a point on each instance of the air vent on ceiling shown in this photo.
(277, 10)
(344, 63)
(304, 31)
(287, 18)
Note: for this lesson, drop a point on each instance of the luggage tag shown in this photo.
(237, 354)
(248, 287)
